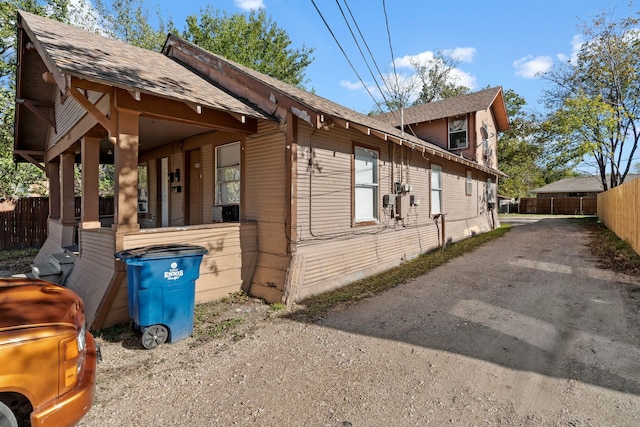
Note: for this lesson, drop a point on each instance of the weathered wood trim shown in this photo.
(91, 109)
(178, 111)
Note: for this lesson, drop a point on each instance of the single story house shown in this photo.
(290, 193)
(577, 186)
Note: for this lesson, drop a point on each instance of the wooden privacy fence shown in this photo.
(619, 210)
(25, 226)
(560, 205)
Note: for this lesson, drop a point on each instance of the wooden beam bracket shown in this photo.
(26, 154)
(36, 108)
(91, 109)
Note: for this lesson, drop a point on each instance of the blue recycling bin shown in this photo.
(161, 289)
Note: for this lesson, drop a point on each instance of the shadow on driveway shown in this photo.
(533, 300)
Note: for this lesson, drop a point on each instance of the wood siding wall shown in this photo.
(101, 280)
(232, 250)
(332, 252)
(265, 180)
(93, 271)
(67, 113)
(619, 210)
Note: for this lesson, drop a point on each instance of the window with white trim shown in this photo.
(365, 171)
(469, 184)
(228, 174)
(457, 133)
(436, 189)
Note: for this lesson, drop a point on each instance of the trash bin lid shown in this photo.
(161, 251)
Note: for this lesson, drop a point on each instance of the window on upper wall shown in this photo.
(436, 189)
(457, 133)
(228, 174)
(365, 173)
(469, 184)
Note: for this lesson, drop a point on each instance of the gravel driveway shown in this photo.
(525, 330)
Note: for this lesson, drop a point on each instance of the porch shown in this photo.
(100, 279)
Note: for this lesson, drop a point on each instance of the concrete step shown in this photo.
(57, 269)
(46, 271)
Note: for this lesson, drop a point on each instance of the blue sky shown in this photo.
(498, 42)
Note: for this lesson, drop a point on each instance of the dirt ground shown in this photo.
(525, 330)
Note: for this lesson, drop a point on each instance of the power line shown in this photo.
(386, 18)
(344, 53)
(355, 39)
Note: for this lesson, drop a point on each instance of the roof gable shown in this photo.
(458, 105)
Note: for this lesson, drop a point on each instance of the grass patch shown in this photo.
(17, 260)
(14, 254)
(209, 320)
(316, 307)
(613, 253)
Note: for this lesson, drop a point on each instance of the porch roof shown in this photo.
(79, 53)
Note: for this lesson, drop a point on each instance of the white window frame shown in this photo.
(226, 179)
(469, 183)
(436, 190)
(458, 126)
(365, 185)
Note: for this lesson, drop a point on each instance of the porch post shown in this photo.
(53, 172)
(126, 172)
(68, 199)
(90, 199)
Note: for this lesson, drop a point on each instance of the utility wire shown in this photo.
(386, 18)
(355, 39)
(344, 53)
(373, 59)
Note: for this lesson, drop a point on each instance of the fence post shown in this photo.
(581, 206)
(552, 206)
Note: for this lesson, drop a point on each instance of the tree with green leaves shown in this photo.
(129, 21)
(596, 99)
(19, 179)
(436, 77)
(433, 80)
(523, 153)
(253, 40)
(519, 151)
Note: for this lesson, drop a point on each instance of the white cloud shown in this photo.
(462, 78)
(407, 81)
(531, 67)
(249, 4)
(351, 85)
(462, 54)
(408, 60)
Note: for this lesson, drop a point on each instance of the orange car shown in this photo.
(47, 357)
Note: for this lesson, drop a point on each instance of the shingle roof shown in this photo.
(324, 105)
(449, 107)
(580, 184)
(79, 53)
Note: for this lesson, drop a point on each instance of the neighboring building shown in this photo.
(579, 186)
(290, 193)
